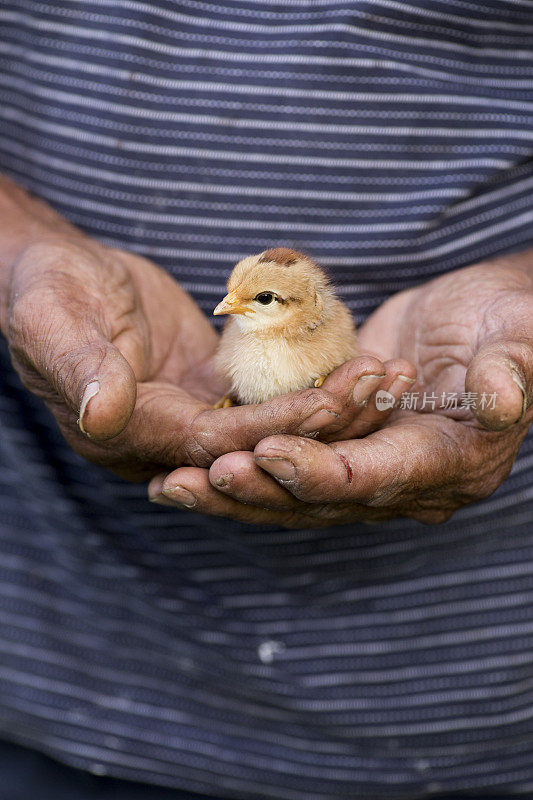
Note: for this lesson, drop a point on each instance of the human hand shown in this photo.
(469, 331)
(108, 339)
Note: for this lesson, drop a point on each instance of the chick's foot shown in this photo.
(224, 402)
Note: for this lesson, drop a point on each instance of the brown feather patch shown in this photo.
(281, 255)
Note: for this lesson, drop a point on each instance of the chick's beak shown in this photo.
(232, 304)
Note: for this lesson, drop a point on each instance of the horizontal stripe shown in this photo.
(257, 157)
(391, 141)
(254, 28)
(309, 13)
(102, 35)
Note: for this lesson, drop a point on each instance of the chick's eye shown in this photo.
(265, 298)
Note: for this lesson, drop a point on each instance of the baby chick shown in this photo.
(288, 331)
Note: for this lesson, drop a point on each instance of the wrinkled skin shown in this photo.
(79, 316)
(75, 313)
(471, 330)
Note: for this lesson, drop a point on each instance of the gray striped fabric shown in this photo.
(392, 141)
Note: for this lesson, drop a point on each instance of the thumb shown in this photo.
(90, 375)
(501, 377)
(64, 356)
(104, 388)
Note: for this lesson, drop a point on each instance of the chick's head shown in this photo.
(278, 290)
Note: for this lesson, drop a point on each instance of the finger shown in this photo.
(376, 402)
(189, 488)
(238, 476)
(500, 378)
(400, 376)
(216, 432)
(57, 332)
(170, 427)
(353, 375)
(155, 494)
(88, 373)
(155, 437)
(389, 466)
(186, 488)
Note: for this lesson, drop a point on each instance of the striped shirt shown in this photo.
(393, 142)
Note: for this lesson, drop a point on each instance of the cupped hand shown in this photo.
(123, 356)
(470, 336)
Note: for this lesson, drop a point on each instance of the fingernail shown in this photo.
(317, 421)
(161, 500)
(280, 468)
(364, 387)
(224, 480)
(180, 495)
(400, 384)
(91, 390)
(156, 484)
(517, 378)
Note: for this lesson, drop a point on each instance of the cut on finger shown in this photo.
(390, 466)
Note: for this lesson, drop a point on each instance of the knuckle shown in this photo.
(370, 365)
(146, 436)
(308, 401)
(304, 399)
(266, 416)
(202, 443)
(317, 399)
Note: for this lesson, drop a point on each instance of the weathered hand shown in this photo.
(109, 339)
(470, 331)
